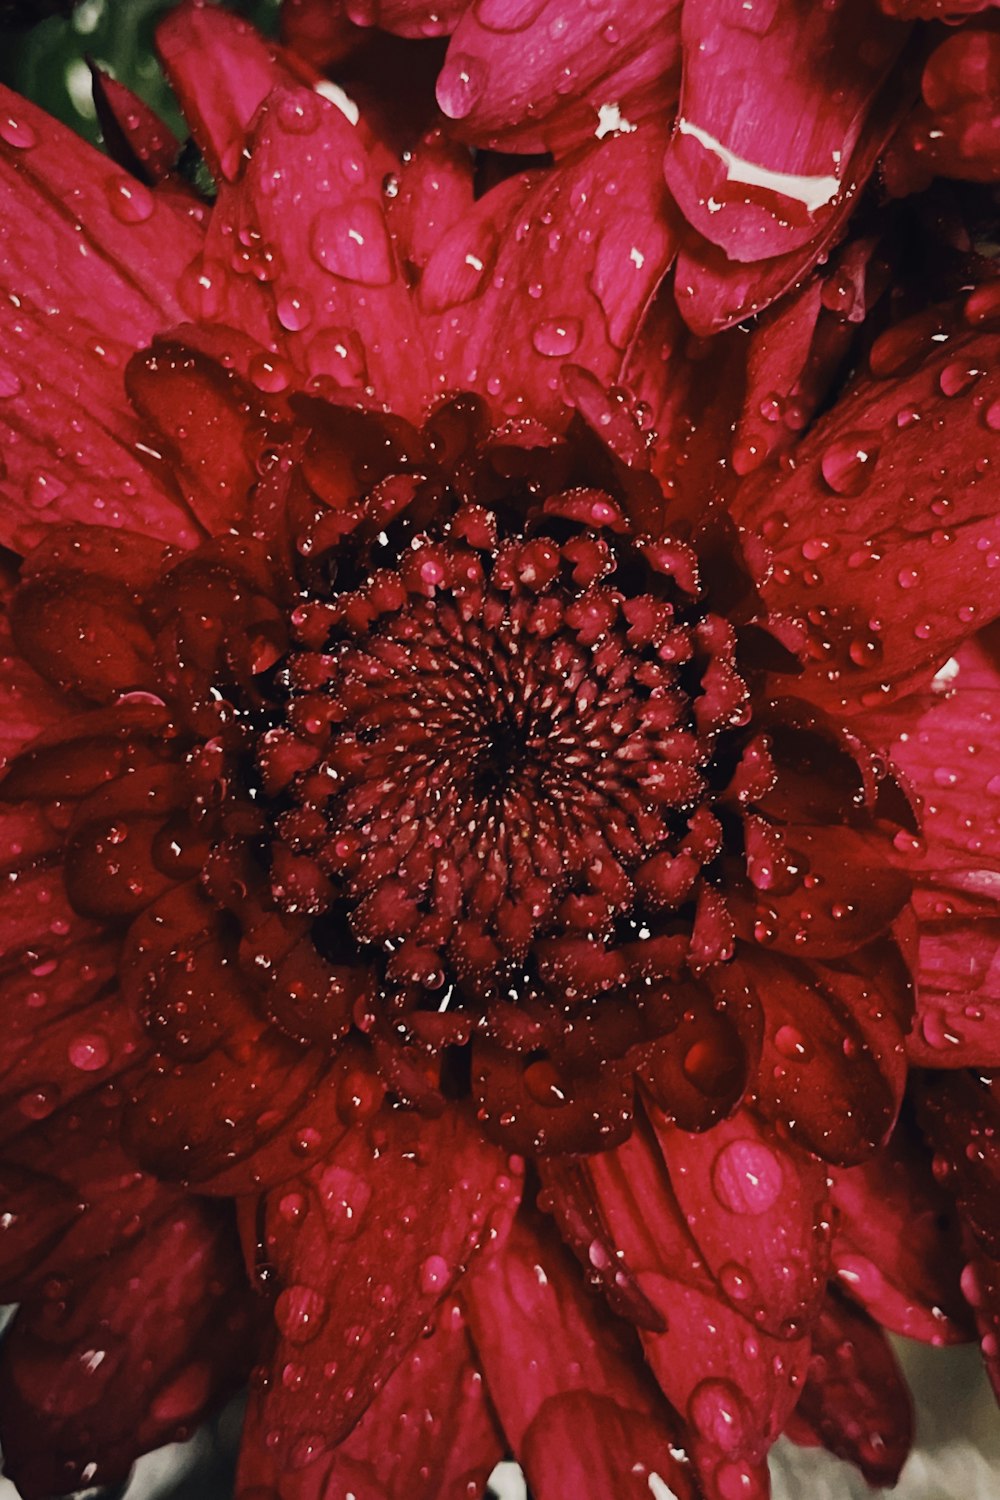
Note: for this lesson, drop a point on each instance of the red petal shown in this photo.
(529, 1310)
(434, 193)
(365, 1245)
(822, 1074)
(331, 285)
(221, 70)
(135, 137)
(773, 104)
(134, 1357)
(570, 280)
(897, 1249)
(855, 1398)
(758, 1211)
(872, 621)
(509, 63)
(430, 1434)
(734, 1384)
(953, 132)
(413, 18)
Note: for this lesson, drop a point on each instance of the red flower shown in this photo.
(454, 815)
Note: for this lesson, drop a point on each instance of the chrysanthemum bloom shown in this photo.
(439, 822)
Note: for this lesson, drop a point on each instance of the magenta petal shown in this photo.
(561, 280)
(897, 1247)
(222, 70)
(505, 78)
(734, 1384)
(772, 107)
(136, 1355)
(898, 596)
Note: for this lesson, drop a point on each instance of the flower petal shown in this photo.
(734, 1384)
(897, 1249)
(221, 70)
(758, 1211)
(529, 1310)
(139, 1352)
(135, 137)
(569, 281)
(505, 76)
(855, 1398)
(773, 103)
(364, 1245)
(953, 131)
(873, 623)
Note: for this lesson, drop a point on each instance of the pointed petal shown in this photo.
(505, 75)
(364, 1246)
(136, 1356)
(573, 272)
(134, 135)
(579, 1369)
(221, 70)
(880, 624)
(758, 1210)
(897, 1248)
(855, 1398)
(734, 1384)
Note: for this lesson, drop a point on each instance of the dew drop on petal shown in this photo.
(17, 133)
(434, 1274)
(89, 1052)
(351, 241)
(747, 1177)
(131, 201)
(299, 1313)
(847, 463)
(557, 338)
(460, 85)
(295, 310)
(718, 1413)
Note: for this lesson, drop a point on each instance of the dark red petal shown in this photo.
(222, 70)
(759, 1212)
(135, 1356)
(855, 1399)
(825, 1075)
(734, 1384)
(897, 1248)
(578, 1368)
(505, 78)
(412, 18)
(574, 271)
(45, 1209)
(430, 1433)
(363, 1247)
(772, 108)
(953, 131)
(873, 620)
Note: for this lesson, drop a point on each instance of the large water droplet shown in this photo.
(717, 1411)
(17, 133)
(351, 241)
(295, 310)
(90, 1051)
(848, 463)
(434, 1275)
(747, 1177)
(557, 337)
(131, 201)
(460, 85)
(299, 1313)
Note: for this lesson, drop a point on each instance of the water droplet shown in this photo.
(131, 201)
(299, 1313)
(351, 241)
(17, 133)
(270, 373)
(957, 377)
(300, 113)
(557, 337)
(717, 1411)
(848, 463)
(90, 1052)
(43, 489)
(295, 310)
(435, 1274)
(747, 1177)
(790, 1042)
(461, 84)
